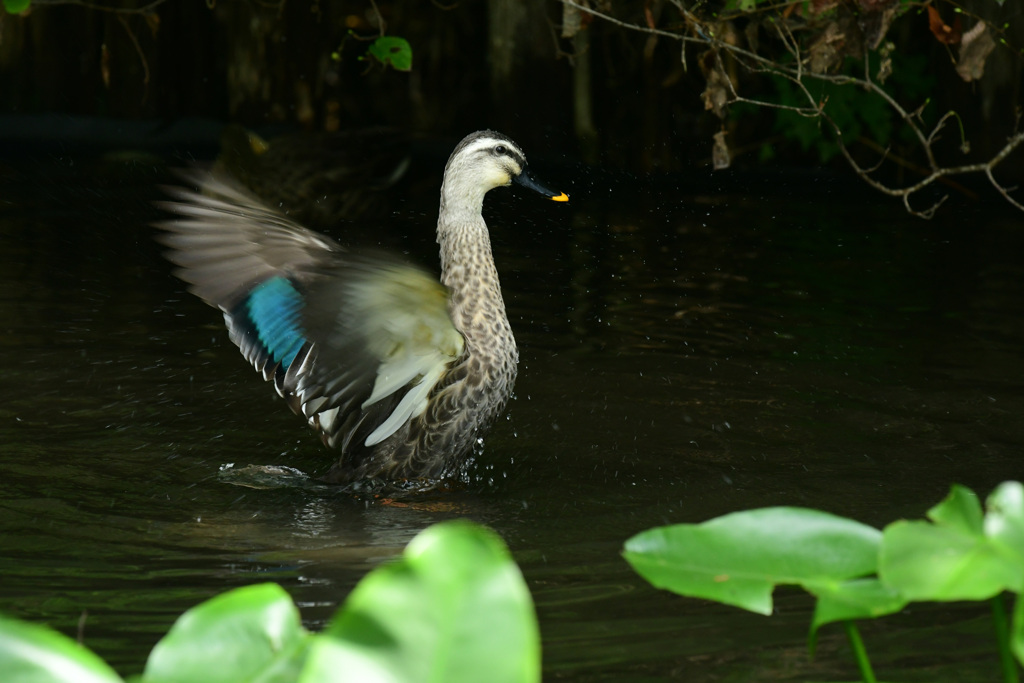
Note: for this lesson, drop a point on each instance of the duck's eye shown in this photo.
(500, 149)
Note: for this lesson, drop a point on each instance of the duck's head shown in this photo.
(485, 160)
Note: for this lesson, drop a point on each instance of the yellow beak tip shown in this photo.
(561, 198)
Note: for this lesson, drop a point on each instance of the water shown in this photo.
(685, 354)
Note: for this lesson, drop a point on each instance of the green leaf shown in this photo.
(16, 6)
(453, 608)
(846, 600)
(961, 556)
(247, 634)
(737, 559)
(328, 657)
(929, 562)
(960, 510)
(30, 653)
(392, 51)
(1004, 521)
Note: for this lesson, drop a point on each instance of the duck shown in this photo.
(398, 371)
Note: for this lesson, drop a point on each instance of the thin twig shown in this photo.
(633, 27)
(380, 18)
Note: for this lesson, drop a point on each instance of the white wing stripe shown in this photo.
(411, 405)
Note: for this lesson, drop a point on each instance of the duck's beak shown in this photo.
(526, 181)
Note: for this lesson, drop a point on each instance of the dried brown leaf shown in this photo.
(885, 66)
(819, 6)
(153, 22)
(571, 20)
(975, 48)
(716, 91)
(944, 33)
(716, 95)
(826, 52)
(720, 157)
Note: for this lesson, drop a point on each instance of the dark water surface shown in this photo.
(684, 355)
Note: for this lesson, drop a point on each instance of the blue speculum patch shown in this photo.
(274, 307)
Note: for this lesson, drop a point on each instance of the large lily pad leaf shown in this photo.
(245, 635)
(453, 609)
(1004, 521)
(30, 653)
(959, 510)
(927, 562)
(959, 556)
(865, 598)
(738, 559)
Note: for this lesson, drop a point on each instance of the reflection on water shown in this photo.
(683, 356)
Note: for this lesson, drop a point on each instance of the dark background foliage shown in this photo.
(618, 96)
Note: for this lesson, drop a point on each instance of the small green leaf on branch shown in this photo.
(392, 51)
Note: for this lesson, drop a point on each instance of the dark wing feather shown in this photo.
(226, 242)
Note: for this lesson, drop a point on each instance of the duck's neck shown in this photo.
(467, 270)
